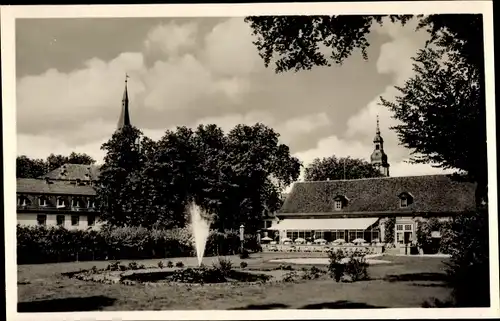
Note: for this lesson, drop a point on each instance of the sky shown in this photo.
(187, 71)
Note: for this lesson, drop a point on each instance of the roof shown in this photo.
(324, 224)
(40, 186)
(431, 194)
(74, 172)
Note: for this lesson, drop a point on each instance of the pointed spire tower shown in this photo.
(124, 116)
(379, 157)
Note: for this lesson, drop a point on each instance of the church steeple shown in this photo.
(379, 157)
(124, 119)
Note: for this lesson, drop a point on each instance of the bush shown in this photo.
(336, 267)
(160, 265)
(243, 265)
(170, 264)
(40, 244)
(179, 264)
(133, 266)
(468, 270)
(357, 268)
(223, 265)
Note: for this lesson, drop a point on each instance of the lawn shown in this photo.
(406, 282)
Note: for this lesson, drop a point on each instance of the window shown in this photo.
(377, 146)
(75, 202)
(22, 201)
(60, 220)
(408, 227)
(399, 227)
(41, 219)
(338, 205)
(42, 201)
(405, 199)
(90, 220)
(60, 202)
(75, 220)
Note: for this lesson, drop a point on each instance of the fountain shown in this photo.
(200, 228)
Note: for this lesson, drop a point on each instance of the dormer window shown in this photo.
(340, 202)
(42, 201)
(60, 202)
(405, 199)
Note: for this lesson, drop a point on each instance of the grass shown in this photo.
(406, 282)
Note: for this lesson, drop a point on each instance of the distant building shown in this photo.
(360, 208)
(65, 196)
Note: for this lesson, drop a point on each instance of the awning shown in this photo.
(324, 224)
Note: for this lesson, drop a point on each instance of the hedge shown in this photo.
(56, 244)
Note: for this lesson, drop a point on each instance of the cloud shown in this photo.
(229, 50)
(170, 39)
(186, 75)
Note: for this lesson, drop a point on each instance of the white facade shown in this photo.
(73, 221)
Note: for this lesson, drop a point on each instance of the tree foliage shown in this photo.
(30, 168)
(235, 177)
(333, 168)
(35, 168)
(118, 191)
(302, 42)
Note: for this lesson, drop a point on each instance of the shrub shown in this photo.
(170, 264)
(291, 276)
(160, 265)
(336, 267)
(243, 265)
(179, 264)
(357, 268)
(224, 265)
(312, 273)
(468, 270)
(40, 244)
(133, 266)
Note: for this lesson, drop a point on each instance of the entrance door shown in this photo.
(407, 237)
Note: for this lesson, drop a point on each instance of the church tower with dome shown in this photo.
(379, 157)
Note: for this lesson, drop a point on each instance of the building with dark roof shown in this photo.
(65, 196)
(360, 208)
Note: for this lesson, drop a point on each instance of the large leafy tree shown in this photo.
(236, 178)
(262, 168)
(118, 191)
(334, 168)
